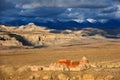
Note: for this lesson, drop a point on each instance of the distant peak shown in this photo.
(31, 24)
(91, 20)
(79, 20)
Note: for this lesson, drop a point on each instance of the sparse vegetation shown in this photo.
(22, 52)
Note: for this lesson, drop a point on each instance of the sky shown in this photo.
(62, 9)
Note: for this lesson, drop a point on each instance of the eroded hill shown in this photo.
(32, 35)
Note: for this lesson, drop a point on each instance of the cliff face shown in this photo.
(6, 40)
(32, 35)
(47, 39)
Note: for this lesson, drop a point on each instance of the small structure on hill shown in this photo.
(64, 65)
(70, 63)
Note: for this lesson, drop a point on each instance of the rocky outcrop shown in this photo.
(47, 39)
(7, 28)
(31, 27)
(90, 32)
(6, 40)
(32, 35)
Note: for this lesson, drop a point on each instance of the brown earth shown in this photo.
(18, 50)
(94, 50)
(97, 51)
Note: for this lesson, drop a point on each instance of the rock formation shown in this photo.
(91, 32)
(6, 40)
(32, 35)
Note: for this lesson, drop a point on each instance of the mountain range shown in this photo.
(111, 26)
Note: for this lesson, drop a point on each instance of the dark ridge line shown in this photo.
(21, 39)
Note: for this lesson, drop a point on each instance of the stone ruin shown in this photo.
(69, 65)
(64, 65)
(63, 70)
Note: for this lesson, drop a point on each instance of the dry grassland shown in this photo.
(94, 50)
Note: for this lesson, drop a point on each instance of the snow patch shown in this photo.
(91, 20)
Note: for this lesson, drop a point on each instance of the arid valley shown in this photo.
(60, 40)
(35, 53)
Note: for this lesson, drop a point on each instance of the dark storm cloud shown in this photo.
(61, 3)
(5, 5)
(80, 9)
(109, 10)
(42, 12)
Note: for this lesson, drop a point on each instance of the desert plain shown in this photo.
(23, 62)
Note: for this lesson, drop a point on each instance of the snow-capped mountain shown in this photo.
(112, 26)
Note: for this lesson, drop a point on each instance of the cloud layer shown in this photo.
(27, 4)
(64, 9)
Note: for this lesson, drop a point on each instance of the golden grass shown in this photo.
(95, 51)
